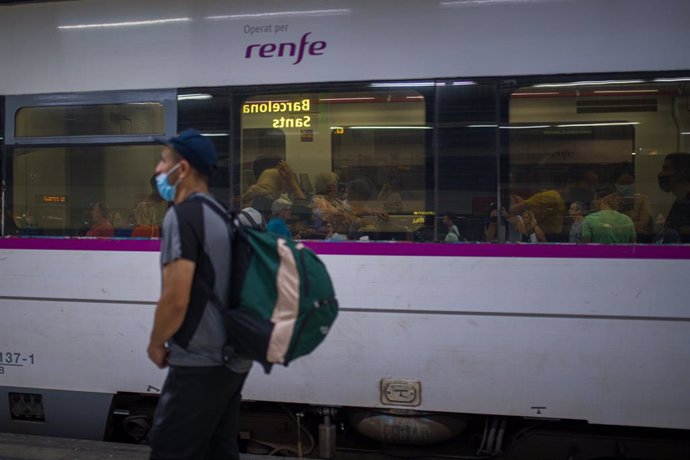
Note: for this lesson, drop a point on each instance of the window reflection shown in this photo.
(584, 158)
(90, 120)
(352, 165)
(99, 191)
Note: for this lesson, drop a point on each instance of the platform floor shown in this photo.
(29, 447)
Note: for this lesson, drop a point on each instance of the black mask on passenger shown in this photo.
(665, 182)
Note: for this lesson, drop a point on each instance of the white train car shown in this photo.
(455, 107)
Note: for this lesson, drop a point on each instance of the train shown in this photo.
(432, 115)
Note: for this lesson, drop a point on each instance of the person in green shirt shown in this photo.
(608, 225)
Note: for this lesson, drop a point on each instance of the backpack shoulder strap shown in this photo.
(216, 207)
(222, 212)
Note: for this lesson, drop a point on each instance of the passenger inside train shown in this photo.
(100, 220)
(675, 178)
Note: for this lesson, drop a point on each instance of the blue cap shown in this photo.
(195, 148)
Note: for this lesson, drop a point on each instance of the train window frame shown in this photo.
(166, 98)
(603, 83)
(13, 104)
(244, 93)
(207, 109)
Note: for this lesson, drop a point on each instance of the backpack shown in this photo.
(281, 303)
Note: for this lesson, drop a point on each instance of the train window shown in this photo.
(208, 111)
(81, 164)
(84, 190)
(350, 164)
(467, 161)
(588, 161)
(144, 118)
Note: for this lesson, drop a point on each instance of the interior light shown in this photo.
(671, 80)
(686, 133)
(281, 14)
(587, 83)
(193, 97)
(215, 134)
(347, 99)
(482, 126)
(460, 3)
(266, 102)
(545, 93)
(616, 123)
(125, 24)
(463, 83)
(389, 127)
(615, 91)
(402, 84)
(525, 127)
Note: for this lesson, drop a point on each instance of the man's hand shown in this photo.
(158, 354)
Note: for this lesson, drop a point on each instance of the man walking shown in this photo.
(198, 410)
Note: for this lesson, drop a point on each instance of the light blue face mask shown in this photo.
(626, 190)
(165, 190)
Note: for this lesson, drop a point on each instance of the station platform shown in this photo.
(30, 447)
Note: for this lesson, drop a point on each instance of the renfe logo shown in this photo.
(269, 50)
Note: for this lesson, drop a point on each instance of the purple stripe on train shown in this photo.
(590, 251)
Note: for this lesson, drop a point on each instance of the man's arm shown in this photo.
(172, 307)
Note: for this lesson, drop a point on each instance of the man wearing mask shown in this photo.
(198, 409)
(675, 178)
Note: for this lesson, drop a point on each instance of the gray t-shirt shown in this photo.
(193, 231)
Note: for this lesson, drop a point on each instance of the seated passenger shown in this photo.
(674, 178)
(275, 177)
(634, 205)
(364, 219)
(281, 210)
(390, 196)
(548, 207)
(325, 201)
(608, 225)
(145, 221)
(359, 195)
(532, 232)
(453, 235)
(495, 230)
(576, 214)
(100, 219)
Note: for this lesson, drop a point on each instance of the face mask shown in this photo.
(665, 183)
(165, 190)
(625, 190)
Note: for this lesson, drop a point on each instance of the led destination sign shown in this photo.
(292, 111)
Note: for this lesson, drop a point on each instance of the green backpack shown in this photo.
(282, 303)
